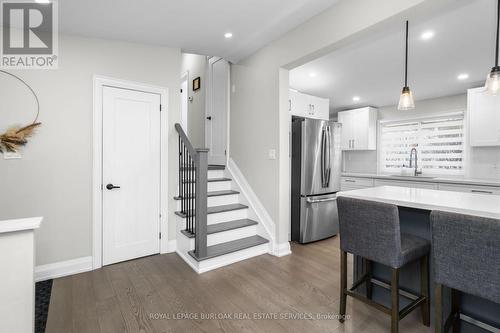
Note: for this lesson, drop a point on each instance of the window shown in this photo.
(439, 143)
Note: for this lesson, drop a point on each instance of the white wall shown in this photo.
(259, 121)
(54, 177)
(195, 65)
(483, 162)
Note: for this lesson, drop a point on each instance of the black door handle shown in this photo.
(209, 118)
(111, 186)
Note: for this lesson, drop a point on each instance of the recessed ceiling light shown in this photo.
(463, 76)
(228, 35)
(426, 35)
(313, 74)
(356, 99)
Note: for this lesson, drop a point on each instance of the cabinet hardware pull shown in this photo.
(479, 191)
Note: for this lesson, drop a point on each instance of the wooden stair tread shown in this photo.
(230, 247)
(216, 209)
(214, 194)
(212, 180)
(210, 167)
(224, 226)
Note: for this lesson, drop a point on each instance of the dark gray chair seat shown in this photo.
(413, 248)
(371, 230)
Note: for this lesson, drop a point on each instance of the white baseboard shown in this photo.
(254, 202)
(281, 250)
(63, 268)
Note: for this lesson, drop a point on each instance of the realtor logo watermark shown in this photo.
(29, 34)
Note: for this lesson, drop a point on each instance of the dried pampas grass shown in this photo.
(16, 137)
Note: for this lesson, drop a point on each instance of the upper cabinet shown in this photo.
(484, 118)
(359, 129)
(308, 106)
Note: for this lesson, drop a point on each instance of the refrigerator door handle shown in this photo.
(329, 168)
(311, 201)
(322, 162)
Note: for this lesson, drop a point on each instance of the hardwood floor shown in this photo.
(264, 294)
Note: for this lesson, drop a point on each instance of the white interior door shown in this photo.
(184, 105)
(131, 162)
(217, 110)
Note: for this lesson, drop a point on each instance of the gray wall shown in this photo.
(482, 162)
(54, 177)
(196, 66)
(259, 115)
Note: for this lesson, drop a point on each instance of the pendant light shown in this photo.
(406, 100)
(493, 80)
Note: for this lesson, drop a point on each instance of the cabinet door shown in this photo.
(346, 137)
(321, 108)
(402, 183)
(484, 115)
(360, 123)
(299, 104)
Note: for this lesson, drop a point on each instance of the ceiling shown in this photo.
(373, 68)
(195, 26)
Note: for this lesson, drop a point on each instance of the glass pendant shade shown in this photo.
(493, 82)
(406, 101)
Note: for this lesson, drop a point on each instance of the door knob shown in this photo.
(111, 186)
(209, 118)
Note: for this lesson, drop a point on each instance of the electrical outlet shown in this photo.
(233, 88)
(272, 154)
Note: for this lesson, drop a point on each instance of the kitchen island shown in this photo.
(415, 205)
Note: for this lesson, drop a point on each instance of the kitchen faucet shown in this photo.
(416, 161)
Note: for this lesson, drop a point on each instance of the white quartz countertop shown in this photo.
(20, 224)
(483, 205)
(447, 180)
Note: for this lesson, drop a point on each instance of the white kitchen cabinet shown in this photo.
(484, 118)
(308, 106)
(359, 129)
(479, 189)
(354, 183)
(400, 183)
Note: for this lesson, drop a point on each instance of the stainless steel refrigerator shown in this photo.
(316, 163)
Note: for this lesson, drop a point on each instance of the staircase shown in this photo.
(215, 226)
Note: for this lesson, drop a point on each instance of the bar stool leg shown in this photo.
(438, 296)
(369, 285)
(343, 285)
(424, 290)
(455, 308)
(395, 301)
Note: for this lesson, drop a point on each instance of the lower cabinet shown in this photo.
(470, 189)
(404, 183)
(357, 183)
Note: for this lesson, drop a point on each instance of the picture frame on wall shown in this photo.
(197, 84)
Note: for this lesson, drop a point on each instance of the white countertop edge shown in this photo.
(437, 179)
(419, 205)
(20, 224)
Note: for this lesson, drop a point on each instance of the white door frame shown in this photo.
(208, 101)
(185, 77)
(99, 83)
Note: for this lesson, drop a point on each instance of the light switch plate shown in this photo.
(272, 154)
(12, 156)
(233, 88)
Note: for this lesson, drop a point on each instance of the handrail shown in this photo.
(193, 173)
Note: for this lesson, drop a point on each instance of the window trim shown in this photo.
(424, 117)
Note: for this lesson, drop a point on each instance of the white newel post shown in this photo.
(17, 280)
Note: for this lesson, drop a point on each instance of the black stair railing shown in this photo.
(193, 173)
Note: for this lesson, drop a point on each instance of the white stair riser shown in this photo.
(216, 174)
(227, 216)
(219, 186)
(230, 258)
(227, 236)
(222, 200)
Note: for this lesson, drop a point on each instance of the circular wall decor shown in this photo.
(17, 136)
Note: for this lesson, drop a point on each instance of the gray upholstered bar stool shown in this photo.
(371, 230)
(466, 254)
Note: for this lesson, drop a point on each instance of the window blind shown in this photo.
(439, 143)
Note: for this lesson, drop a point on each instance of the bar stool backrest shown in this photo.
(371, 230)
(466, 253)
